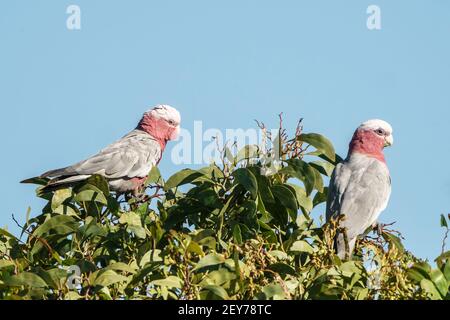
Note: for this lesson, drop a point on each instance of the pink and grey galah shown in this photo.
(360, 186)
(125, 163)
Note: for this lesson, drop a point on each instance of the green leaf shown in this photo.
(211, 172)
(303, 171)
(170, 282)
(66, 210)
(303, 200)
(143, 272)
(142, 210)
(248, 180)
(394, 240)
(237, 234)
(280, 255)
(6, 264)
(303, 221)
(273, 291)
(282, 269)
(446, 271)
(194, 247)
(264, 189)
(182, 177)
(237, 267)
(443, 257)
(218, 277)
(301, 246)
(41, 192)
(262, 209)
(91, 229)
(320, 197)
(350, 267)
(120, 266)
(150, 256)
(362, 294)
(320, 142)
(59, 197)
(202, 234)
(55, 278)
(415, 275)
(25, 279)
(133, 221)
(108, 277)
(130, 218)
(104, 293)
(72, 295)
(210, 260)
(154, 177)
(287, 199)
(443, 221)
(138, 231)
(91, 195)
(7, 234)
(439, 281)
(419, 271)
(324, 167)
(98, 182)
(218, 291)
(430, 288)
(318, 181)
(62, 224)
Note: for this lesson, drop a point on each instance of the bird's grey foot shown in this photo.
(141, 198)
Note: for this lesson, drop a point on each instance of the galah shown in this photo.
(125, 163)
(360, 186)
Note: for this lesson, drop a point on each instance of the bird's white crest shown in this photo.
(376, 124)
(166, 112)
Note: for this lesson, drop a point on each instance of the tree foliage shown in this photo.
(239, 229)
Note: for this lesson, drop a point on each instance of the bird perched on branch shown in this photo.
(125, 163)
(360, 186)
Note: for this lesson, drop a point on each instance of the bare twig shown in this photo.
(41, 240)
(445, 237)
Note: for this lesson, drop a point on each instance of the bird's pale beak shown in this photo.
(388, 141)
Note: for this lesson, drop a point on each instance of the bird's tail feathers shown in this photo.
(49, 185)
(53, 177)
(64, 182)
(36, 180)
(67, 171)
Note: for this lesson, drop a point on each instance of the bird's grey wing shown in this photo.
(132, 156)
(338, 183)
(365, 196)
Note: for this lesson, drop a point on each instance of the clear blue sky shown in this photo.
(66, 94)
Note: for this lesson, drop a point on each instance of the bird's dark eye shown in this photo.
(171, 122)
(380, 131)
